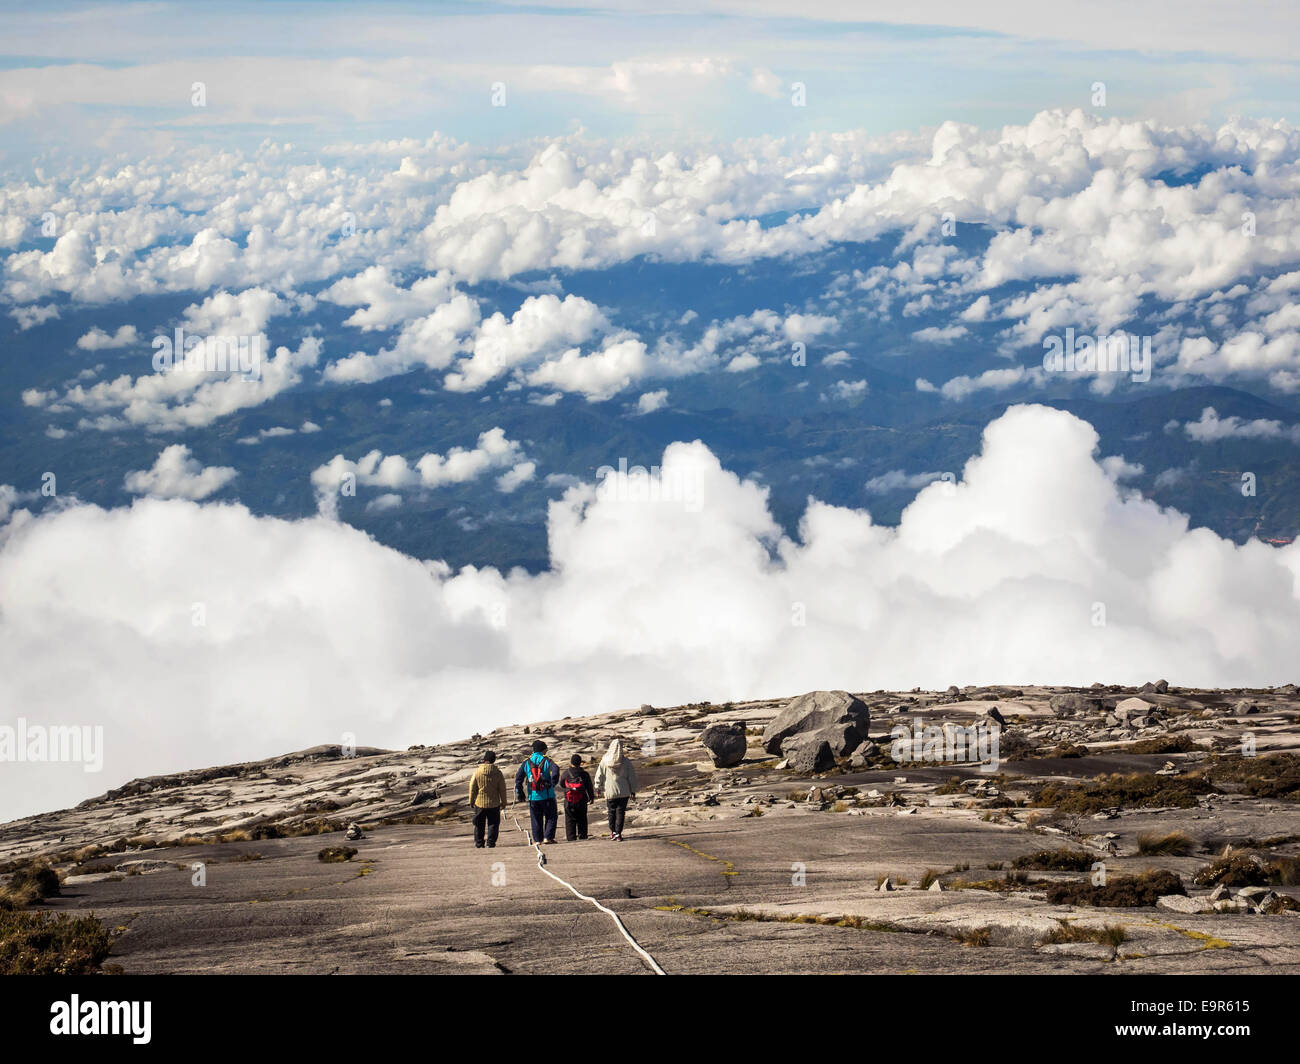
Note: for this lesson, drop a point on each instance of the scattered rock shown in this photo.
(353, 832)
(142, 866)
(1177, 903)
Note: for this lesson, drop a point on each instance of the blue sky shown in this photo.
(828, 321)
(117, 77)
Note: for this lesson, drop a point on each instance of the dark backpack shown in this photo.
(575, 790)
(539, 778)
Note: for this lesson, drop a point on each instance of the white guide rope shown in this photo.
(541, 864)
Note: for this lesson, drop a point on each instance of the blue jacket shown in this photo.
(551, 774)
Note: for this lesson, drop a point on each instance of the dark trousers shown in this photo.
(489, 819)
(575, 820)
(545, 814)
(617, 810)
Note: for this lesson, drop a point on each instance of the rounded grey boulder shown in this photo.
(726, 743)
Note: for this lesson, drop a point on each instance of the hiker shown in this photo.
(578, 791)
(539, 774)
(616, 780)
(487, 795)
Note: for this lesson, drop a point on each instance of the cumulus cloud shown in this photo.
(940, 335)
(846, 390)
(649, 402)
(32, 316)
(460, 465)
(963, 387)
(181, 397)
(544, 325)
(429, 342)
(1210, 428)
(991, 579)
(899, 480)
(99, 340)
(178, 475)
(382, 302)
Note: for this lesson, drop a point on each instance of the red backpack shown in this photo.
(539, 779)
(575, 790)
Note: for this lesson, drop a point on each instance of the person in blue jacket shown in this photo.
(536, 779)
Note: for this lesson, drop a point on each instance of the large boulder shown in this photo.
(1133, 709)
(1072, 704)
(842, 718)
(726, 743)
(808, 753)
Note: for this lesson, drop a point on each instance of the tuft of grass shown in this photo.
(978, 936)
(1174, 844)
(336, 854)
(1161, 744)
(1132, 791)
(1056, 861)
(1108, 935)
(1122, 892)
(1234, 870)
(1272, 776)
(38, 943)
(1012, 882)
(1069, 749)
(927, 880)
(31, 883)
(93, 868)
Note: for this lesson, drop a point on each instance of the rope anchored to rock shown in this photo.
(541, 864)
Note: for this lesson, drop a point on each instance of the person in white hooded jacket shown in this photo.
(616, 782)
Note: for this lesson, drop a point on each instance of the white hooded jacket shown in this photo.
(615, 775)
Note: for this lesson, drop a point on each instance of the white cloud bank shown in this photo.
(1084, 218)
(313, 629)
